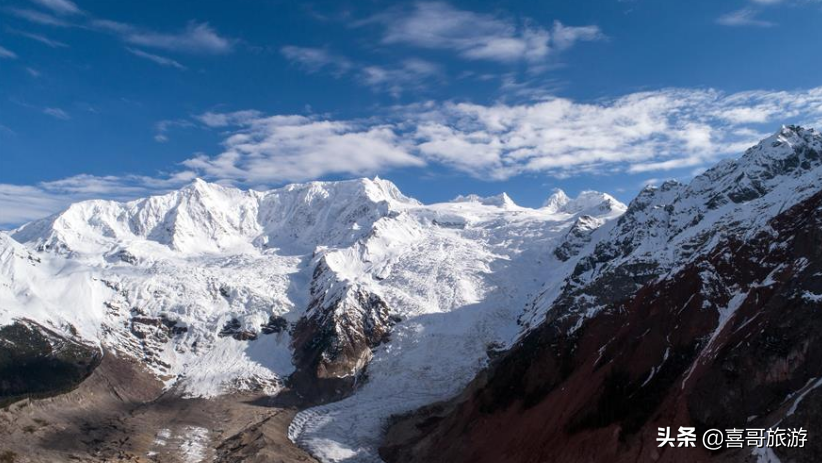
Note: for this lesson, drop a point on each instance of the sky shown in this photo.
(119, 100)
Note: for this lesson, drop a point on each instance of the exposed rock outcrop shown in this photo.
(36, 361)
(333, 341)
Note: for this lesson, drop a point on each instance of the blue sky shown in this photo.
(102, 99)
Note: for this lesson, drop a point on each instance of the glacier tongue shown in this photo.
(458, 277)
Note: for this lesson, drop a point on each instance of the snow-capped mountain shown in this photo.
(217, 290)
(698, 307)
(666, 226)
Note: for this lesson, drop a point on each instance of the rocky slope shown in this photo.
(700, 307)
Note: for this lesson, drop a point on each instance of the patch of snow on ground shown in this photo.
(194, 445)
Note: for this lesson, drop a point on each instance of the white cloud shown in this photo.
(92, 185)
(438, 25)
(41, 38)
(161, 60)
(59, 6)
(743, 17)
(195, 38)
(56, 113)
(163, 127)
(6, 53)
(315, 59)
(410, 73)
(38, 17)
(565, 37)
(648, 131)
(641, 132)
(291, 148)
(237, 118)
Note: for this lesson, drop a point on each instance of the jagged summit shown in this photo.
(501, 200)
(556, 201)
(208, 217)
(586, 202)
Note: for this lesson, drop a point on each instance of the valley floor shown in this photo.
(120, 414)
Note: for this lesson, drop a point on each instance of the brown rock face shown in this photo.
(333, 342)
(732, 340)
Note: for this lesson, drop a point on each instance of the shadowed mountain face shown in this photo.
(729, 338)
(38, 362)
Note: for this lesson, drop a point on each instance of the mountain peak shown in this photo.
(501, 200)
(785, 140)
(587, 200)
(556, 201)
(199, 185)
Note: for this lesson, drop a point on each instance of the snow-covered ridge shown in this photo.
(500, 200)
(665, 227)
(588, 201)
(209, 218)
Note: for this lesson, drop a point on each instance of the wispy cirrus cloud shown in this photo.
(38, 17)
(317, 59)
(163, 127)
(476, 36)
(409, 73)
(56, 113)
(63, 7)
(157, 59)
(751, 15)
(40, 38)
(743, 17)
(195, 37)
(6, 53)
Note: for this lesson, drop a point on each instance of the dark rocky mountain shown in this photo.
(333, 341)
(37, 362)
(702, 308)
